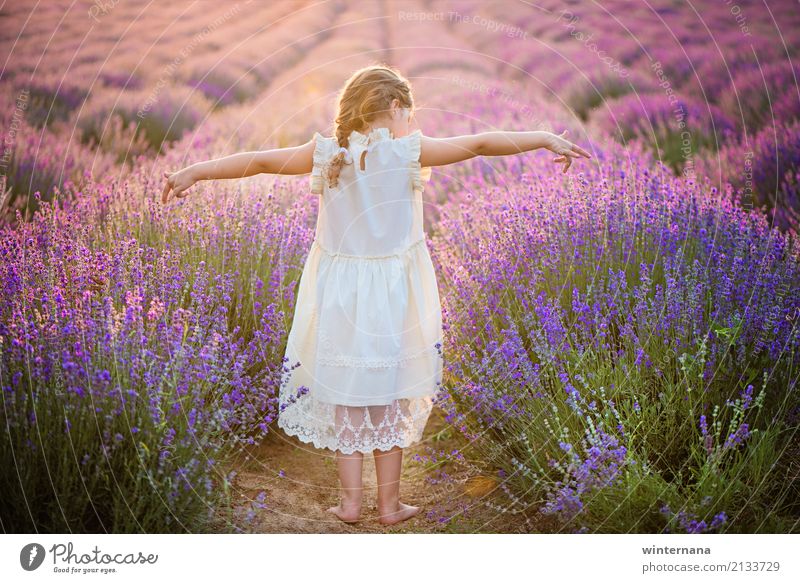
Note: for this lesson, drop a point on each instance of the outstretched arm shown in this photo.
(295, 160)
(443, 151)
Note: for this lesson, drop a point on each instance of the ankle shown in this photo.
(351, 499)
(390, 503)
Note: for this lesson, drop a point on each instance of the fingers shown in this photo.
(566, 160)
(167, 188)
(581, 151)
(574, 147)
(570, 151)
(170, 186)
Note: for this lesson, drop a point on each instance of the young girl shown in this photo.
(365, 347)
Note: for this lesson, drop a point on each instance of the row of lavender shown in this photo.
(621, 346)
(713, 88)
(140, 347)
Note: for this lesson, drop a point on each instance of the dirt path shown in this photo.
(296, 502)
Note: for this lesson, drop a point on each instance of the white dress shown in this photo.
(364, 353)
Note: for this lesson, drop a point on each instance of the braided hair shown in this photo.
(367, 94)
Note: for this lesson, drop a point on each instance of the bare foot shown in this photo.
(346, 511)
(401, 512)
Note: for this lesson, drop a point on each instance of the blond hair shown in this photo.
(367, 94)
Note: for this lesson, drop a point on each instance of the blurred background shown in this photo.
(117, 79)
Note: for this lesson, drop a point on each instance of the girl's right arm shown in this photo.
(295, 160)
(443, 151)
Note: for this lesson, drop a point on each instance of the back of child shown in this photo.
(367, 327)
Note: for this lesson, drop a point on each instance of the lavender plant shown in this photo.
(137, 355)
(597, 320)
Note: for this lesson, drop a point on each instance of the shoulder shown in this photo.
(323, 144)
(412, 137)
(324, 148)
(410, 144)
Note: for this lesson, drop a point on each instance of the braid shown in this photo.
(366, 95)
(334, 167)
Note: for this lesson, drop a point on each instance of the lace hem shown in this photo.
(419, 175)
(348, 429)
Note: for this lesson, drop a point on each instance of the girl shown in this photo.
(364, 349)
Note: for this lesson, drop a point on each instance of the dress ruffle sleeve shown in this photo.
(319, 159)
(419, 175)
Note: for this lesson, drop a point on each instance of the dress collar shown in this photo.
(376, 135)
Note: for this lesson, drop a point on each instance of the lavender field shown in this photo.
(621, 341)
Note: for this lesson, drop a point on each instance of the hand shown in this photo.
(566, 150)
(178, 182)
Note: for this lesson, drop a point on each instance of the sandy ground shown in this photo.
(297, 501)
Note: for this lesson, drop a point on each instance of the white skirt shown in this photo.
(364, 355)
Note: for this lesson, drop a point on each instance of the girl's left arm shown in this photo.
(295, 160)
(443, 151)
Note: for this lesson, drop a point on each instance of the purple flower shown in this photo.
(737, 437)
(747, 397)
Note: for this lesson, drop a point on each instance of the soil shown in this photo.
(297, 499)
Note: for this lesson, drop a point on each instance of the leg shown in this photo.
(349, 509)
(349, 466)
(388, 465)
